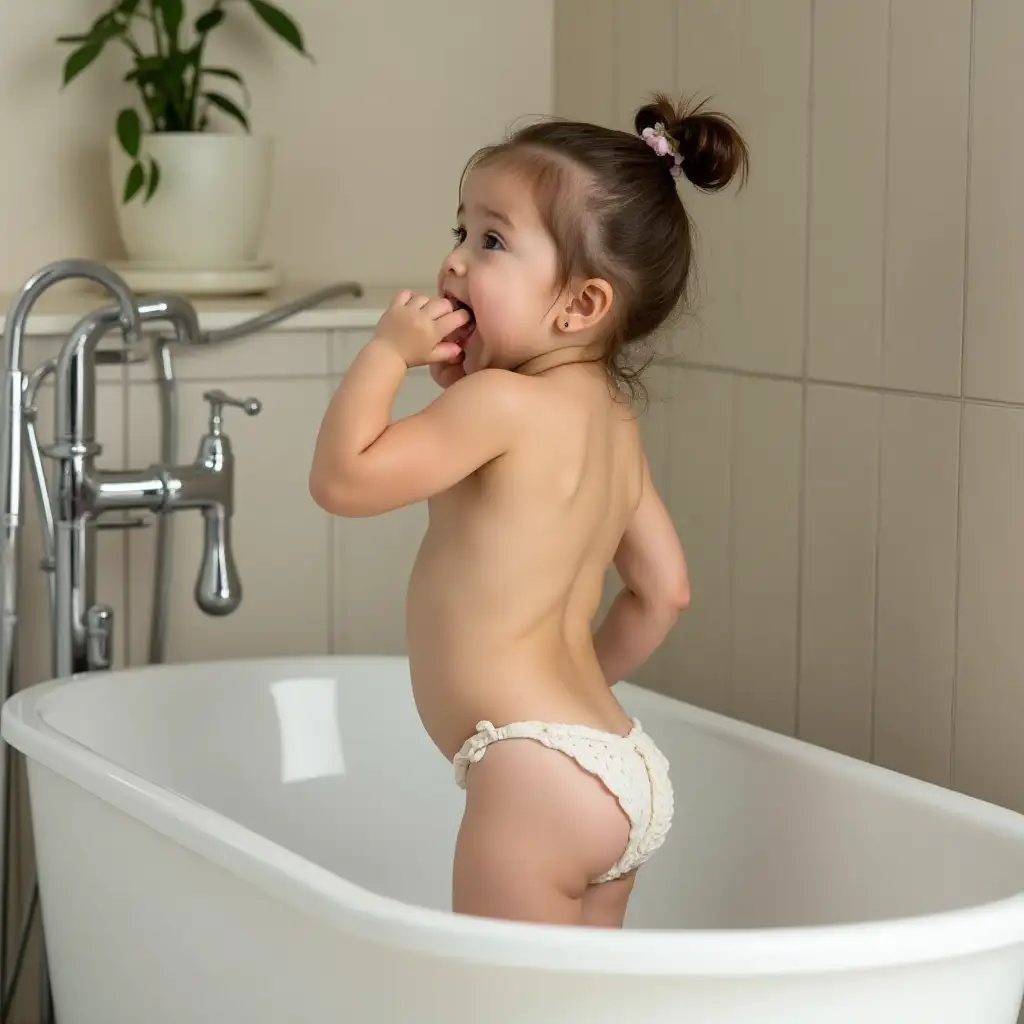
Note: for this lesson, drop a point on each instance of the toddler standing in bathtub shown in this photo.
(572, 246)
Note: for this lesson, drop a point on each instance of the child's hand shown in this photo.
(446, 374)
(415, 326)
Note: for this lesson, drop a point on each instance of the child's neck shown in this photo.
(563, 356)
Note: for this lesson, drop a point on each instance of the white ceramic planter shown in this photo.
(210, 208)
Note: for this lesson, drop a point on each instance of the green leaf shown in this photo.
(74, 39)
(228, 106)
(209, 21)
(128, 7)
(129, 131)
(78, 61)
(234, 76)
(135, 180)
(154, 180)
(279, 23)
(106, 27)
(151, 63)
(172, 13)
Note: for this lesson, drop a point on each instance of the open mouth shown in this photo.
(462, 334)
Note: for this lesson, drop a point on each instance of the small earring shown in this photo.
(566, 323)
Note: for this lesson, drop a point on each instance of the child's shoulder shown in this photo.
(500, 391)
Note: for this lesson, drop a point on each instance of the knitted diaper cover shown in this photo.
(631, 767)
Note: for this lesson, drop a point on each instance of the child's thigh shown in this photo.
(536, 829)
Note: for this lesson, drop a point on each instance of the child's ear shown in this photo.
(586, 305)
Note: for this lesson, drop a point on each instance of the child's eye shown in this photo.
(496, 239)
(460, 235)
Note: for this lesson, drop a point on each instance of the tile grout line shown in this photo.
(827, 382)
(880, 421)
(801, 509)
(958, 543)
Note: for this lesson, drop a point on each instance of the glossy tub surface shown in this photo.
(271, 840)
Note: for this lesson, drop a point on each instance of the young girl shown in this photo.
(572, 246)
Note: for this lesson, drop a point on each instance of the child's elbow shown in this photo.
(673, 596)
(331, 495)
(675, 600)
(681, 594)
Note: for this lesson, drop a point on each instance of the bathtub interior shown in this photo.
(328, 759)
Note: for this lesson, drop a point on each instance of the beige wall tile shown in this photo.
(989, 709)
(373, 558)
(277, 354)
(847, 188)
(752, 60)
(765, 510)
(838, 598)
(993, 355)
(344, 346)
(584, 52)
(31, 196)
(698, 494)
(927, 195)
(917, 541)
(35, 661)
(645, 55)
(281, 538)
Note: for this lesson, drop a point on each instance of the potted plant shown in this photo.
(185, 194)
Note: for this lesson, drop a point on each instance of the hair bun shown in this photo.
(712, 148)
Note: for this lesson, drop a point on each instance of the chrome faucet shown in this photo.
(218, 590)
(83, 630)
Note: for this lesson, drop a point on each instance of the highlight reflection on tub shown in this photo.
(272, 840)
(307, 714)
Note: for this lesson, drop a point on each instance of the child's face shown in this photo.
(504, 268)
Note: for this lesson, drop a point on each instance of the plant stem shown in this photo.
(192, 104)
(154, 17)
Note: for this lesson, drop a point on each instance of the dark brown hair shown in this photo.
(612, 206)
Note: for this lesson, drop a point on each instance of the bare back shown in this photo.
(511, 571)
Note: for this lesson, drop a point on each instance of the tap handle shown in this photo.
(218, 399)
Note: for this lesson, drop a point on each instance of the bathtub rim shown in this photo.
(363, 914)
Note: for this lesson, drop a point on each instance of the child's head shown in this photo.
(573, 239)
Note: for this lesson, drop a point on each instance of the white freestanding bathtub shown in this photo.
(270, 841)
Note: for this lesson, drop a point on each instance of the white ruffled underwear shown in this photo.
(631, 767)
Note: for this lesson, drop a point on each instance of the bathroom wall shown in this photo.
(354, 196)
(841, 444)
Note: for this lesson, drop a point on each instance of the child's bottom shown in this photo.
(531, 811)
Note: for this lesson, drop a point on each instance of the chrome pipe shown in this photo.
(37, 472)
(11, 439)
(275, 316)
(75, 407)
(167, 386)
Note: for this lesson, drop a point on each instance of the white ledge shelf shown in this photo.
(60, 308)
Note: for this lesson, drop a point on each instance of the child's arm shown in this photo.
(652, 565)
(363, 464)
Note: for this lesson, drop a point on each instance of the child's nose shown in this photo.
(455, 263)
